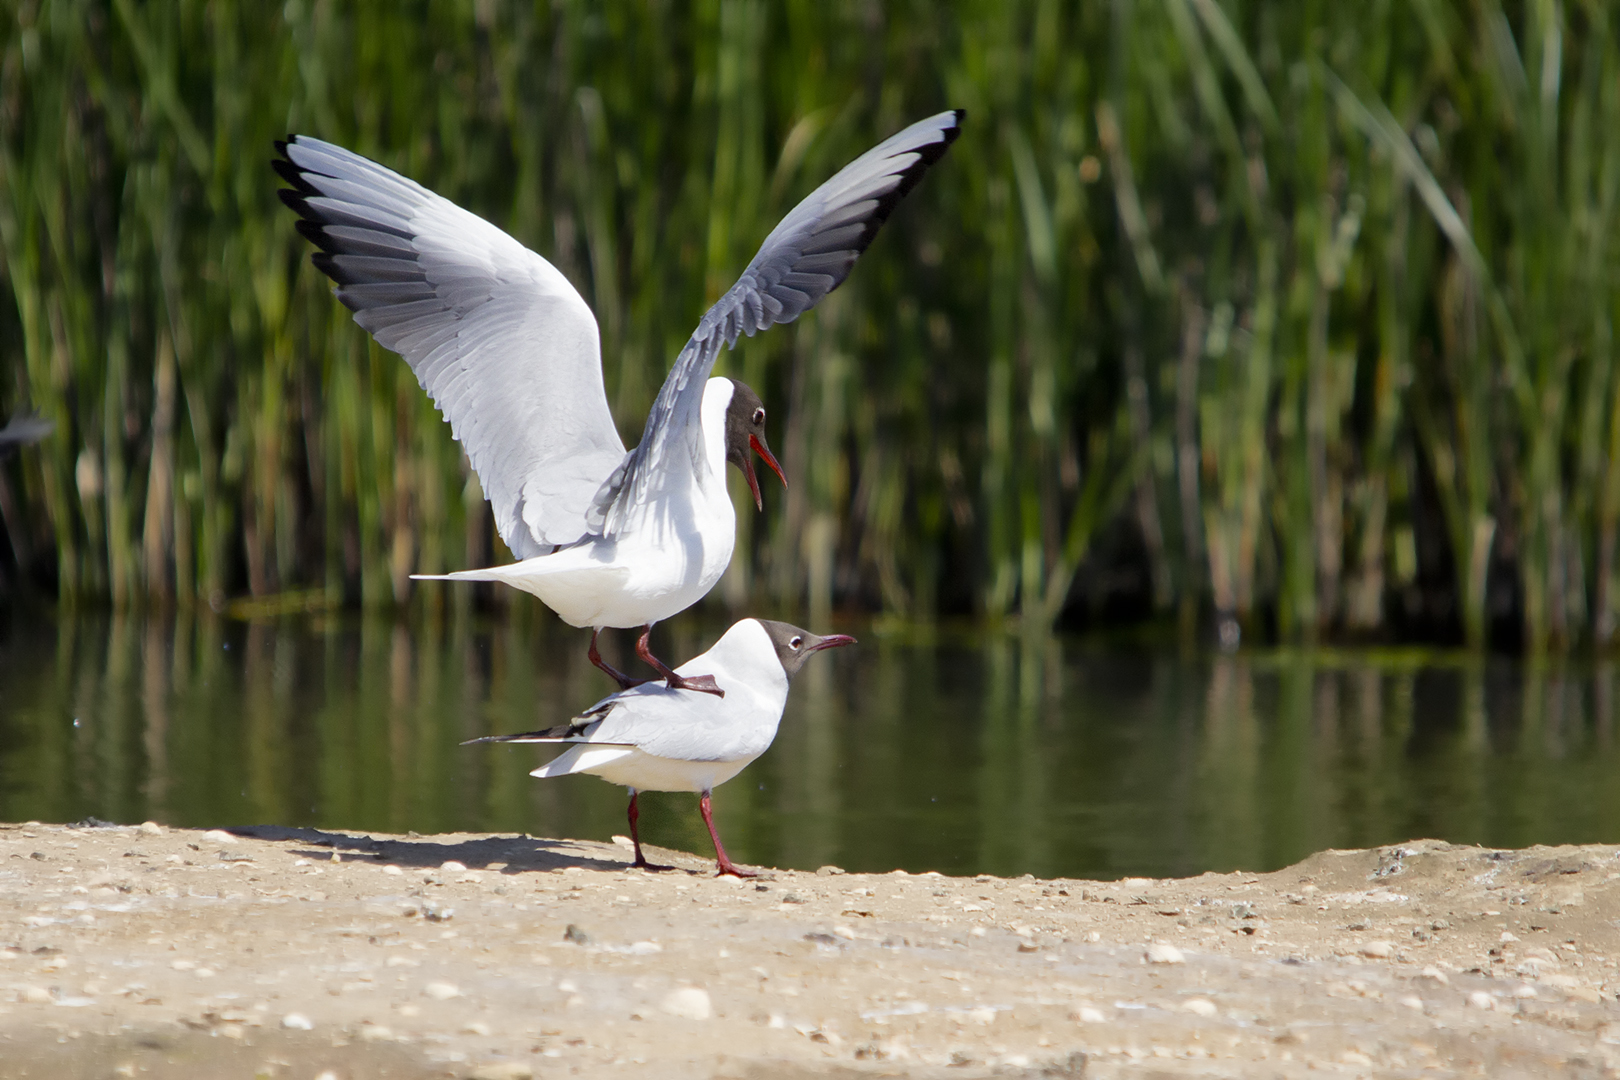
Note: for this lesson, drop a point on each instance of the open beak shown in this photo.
(748, 469)
(831, 641)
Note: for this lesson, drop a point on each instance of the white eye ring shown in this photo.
(759, 416)
(795, 642)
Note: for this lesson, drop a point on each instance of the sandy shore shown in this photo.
(271, 952)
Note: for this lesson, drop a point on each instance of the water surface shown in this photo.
(959, 754)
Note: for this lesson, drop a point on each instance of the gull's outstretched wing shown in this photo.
(807, 256)
(496, 335)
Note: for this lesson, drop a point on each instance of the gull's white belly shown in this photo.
(646, 772)
(648, 574)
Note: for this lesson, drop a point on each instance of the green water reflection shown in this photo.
(994, 755)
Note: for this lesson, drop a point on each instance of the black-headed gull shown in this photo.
(21, 430)
(650, 738)
(510, 353)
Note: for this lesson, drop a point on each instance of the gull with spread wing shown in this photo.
(652, 739)
(510, 353)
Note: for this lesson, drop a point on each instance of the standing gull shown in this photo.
(650, 738)
(509, 352)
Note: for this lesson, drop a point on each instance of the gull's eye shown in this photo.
(795, 642)
(759, 416)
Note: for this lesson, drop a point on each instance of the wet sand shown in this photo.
(273, 952)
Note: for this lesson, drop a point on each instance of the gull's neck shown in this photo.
(712, 420)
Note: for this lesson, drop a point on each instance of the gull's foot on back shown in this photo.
(625, 682)
(703, 683)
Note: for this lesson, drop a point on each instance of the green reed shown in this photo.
(1294, 314)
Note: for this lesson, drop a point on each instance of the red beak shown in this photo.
(748, 469)
(831, 641)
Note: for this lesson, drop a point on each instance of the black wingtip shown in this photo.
(910, 178)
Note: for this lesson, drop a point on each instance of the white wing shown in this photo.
(807, 256)
(496, 335)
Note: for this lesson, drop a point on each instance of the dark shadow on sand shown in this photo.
(519, 853)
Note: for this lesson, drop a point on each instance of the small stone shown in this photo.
(1410, 1001)
(984, 1014)
(1432, 972)
(1378, 950)
(441, 991)
(1087, 1014)
(1355, 1057)
(623, 841)
(844, 932)
(36, 995)
(451, 866)
(1479, 999)
(152, 828)
(220, 836)
(1162, 952)
(1201, 1007)
(1508, 935)
(183, 965)
(375, 1033)
(1524, 990)
(391, 869)
(296, 1022)
(828, 871)
(502, 1070)
(687, 1002)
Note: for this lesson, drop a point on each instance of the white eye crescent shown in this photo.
(795, 642)
(759, 416)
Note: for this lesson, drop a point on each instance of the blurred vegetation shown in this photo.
(1286, 318)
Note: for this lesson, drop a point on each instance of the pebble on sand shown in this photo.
(441, 991)
(502, 1070)
(297, 1022)
(1162, 952)
(687, 1002)
(1378, 950)
(1201, 1007)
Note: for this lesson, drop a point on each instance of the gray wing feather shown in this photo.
(500, 340)
(807, 256)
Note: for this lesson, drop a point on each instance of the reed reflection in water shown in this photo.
(995, 755)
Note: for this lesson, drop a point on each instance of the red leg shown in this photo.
(726, 865)
(705, 683)
(625, 682)
(635, 837)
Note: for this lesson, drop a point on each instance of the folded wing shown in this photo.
(807, 256)
(500, 340)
